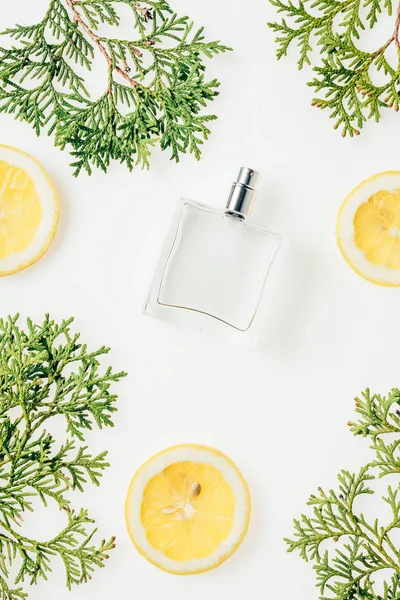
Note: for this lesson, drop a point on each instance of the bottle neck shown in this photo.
(240, 201)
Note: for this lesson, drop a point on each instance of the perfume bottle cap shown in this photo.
(243, 193)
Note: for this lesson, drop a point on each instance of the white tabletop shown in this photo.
(282, 416)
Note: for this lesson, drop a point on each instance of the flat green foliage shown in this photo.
(44, 373)
(349, 551)
(326, 33)
(155, 89)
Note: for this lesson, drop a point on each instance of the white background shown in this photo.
(279, 410)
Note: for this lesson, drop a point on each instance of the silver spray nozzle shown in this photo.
(243, 193)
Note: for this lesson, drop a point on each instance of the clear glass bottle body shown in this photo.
(214, 265)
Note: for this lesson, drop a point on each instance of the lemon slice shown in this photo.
(187, 509)
(368, 229)
(28, 210)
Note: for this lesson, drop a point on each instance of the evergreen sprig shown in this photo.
(348, 550)
(155, 89)
(46, 372)
(327, 33)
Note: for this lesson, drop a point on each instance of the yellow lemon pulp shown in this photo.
(28, 210)
(20, 210)
(377, 228)
(188, 510)
(368, 229)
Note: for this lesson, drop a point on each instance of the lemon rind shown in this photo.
(47, 194)
(358, 256)
(180, 568)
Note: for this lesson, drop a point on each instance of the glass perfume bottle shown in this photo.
(215, 263)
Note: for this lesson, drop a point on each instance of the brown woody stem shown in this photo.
(397, 27)
(394, 37)
(97, 40)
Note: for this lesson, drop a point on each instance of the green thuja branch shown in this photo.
(45, 372)
(155, 88)
(348, 550)
(326, 34)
